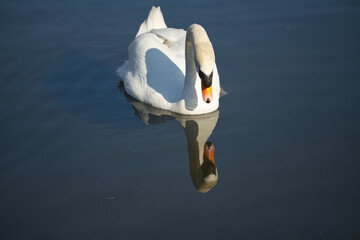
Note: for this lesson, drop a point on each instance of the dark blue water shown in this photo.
(77, 160)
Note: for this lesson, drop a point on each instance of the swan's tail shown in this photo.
(155, 20)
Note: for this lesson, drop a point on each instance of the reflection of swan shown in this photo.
(197, 129)
(172, 69)
(203, 170)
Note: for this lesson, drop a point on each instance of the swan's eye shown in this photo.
(207, 79)
(209, 145)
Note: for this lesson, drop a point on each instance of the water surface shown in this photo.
(78, 161)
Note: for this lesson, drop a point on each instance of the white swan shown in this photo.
(172, 69)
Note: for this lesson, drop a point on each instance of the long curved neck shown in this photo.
(199, 55)
(190, 93)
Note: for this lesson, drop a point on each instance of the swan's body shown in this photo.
(167, 67)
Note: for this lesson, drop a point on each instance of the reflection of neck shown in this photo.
(195, 151)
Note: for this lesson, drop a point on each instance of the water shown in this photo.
(77, 160)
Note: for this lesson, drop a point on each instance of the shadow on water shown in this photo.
(203, 170)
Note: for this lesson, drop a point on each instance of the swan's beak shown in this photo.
(209, 150)
(206, 93)
(206, 86)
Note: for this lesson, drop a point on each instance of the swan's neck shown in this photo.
(192, 81)
(199, 54)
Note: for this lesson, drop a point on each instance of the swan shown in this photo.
(172, 69)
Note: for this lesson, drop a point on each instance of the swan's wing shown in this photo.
(155, 72)
(170, 36)
(154, 20)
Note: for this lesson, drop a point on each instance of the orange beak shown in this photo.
(206, 93)
(209, 151)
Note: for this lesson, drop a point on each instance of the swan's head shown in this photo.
(206, 86)
(204, 57)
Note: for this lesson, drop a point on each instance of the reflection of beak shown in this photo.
(206, 93)
(209, 150)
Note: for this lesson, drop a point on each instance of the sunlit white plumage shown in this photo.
(164, 64)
